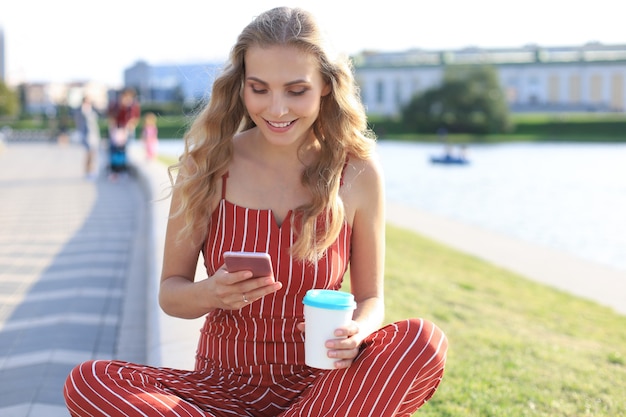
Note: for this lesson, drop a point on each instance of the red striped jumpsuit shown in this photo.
(250, 362)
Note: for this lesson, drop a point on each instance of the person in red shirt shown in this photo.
(123, 116)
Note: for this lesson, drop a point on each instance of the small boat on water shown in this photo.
(450, 157)
(449, 160)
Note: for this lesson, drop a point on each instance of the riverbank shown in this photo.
(576, 276)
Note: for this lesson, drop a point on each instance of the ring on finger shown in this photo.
(245, 300)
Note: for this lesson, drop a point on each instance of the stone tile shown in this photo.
(20, 410)
(40, 410)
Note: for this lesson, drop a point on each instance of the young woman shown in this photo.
(279, 161)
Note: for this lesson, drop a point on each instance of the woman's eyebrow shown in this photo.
(290, 83)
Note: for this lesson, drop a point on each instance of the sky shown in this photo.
(79, 40)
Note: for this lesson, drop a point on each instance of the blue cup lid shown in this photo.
(329, 299)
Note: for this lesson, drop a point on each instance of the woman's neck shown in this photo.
(284, 158)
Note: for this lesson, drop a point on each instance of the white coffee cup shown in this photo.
(324, 312)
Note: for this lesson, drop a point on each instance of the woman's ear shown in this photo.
(326, 90)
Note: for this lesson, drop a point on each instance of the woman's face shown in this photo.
(282, 92)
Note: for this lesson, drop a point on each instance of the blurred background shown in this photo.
(52, 52)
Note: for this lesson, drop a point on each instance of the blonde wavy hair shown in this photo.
(341, 130)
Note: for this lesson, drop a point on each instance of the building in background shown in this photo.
(188, 83)
(589, 78)
(44, 98)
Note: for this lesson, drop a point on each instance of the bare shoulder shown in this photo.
(363, 173)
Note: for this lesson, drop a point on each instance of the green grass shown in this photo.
(529, 127)
(517, 348)
(167, 159)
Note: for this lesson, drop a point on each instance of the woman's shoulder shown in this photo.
(362, 170)
(362, 183)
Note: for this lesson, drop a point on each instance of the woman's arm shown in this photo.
(179, 295)
(365, 203)
(367, 261)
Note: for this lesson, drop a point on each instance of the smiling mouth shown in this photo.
(280, 125)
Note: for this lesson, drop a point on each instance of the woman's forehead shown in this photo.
(281, 63)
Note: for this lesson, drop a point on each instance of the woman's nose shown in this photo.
(278, 105)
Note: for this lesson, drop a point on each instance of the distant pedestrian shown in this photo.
(150, 135)
(123, 116)
(86, 119)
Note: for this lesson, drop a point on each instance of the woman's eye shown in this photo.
(261, 90)
(257, 90)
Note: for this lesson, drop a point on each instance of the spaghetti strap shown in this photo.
(224, 177)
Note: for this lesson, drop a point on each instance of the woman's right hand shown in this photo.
(235, 290)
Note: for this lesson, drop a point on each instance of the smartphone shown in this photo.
(259, 263)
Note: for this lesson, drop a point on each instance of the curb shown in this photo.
(170, 341)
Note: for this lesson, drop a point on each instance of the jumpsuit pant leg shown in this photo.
(397, 371)
(115, 388)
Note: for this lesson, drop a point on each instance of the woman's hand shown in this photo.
(346, 347)
(234, 290)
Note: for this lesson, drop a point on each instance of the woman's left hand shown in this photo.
(346, 347)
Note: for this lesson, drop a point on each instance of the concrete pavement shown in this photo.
(69, 249)
(79, 270)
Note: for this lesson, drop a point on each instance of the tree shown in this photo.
(9, 103)
(470, 100)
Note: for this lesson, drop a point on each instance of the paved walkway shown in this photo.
(68, 249)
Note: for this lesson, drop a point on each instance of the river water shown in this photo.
(570, 197)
